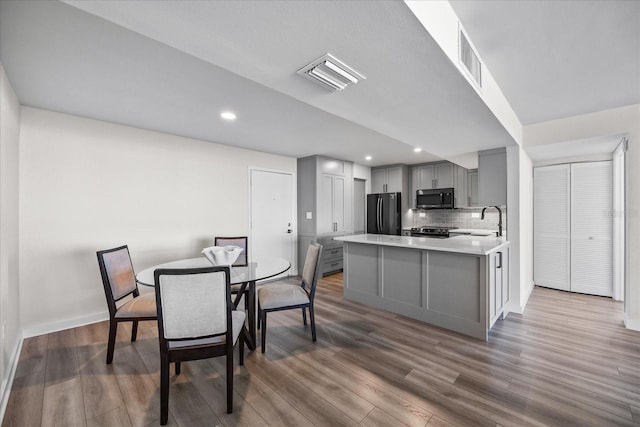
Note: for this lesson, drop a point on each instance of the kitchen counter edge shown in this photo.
(472, 245)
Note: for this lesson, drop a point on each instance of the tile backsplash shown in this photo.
(459, 218)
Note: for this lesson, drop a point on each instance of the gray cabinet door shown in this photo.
(338, 204)
(426, 177)
(378, 180)
(472, 186)
(332, 215)
(444, 175)
(394, 180)
(492, 177)
(325, 205)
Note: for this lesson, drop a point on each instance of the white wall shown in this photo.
(363, 172)
(442, 23)
(10, 331)
(623, 120)
(526, 227)
(520, 227)
(87, 185)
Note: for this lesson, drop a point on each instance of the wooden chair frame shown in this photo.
(245, 292)
(311, 292)
(111, 303)
(195, 352)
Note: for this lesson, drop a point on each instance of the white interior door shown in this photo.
(551, 224)
(591, 228)
(272, 216)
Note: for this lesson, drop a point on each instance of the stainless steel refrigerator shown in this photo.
(383, 214)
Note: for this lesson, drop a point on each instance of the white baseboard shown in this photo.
(519, 308)
(7, 381)
(47, 328)
(633, 324)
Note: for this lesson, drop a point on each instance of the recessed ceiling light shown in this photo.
(368, 158)
(417, 149)
(228, 115)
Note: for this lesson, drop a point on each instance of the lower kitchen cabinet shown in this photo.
(498, 285)
(331, 256)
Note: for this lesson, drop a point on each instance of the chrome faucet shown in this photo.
(499, 234)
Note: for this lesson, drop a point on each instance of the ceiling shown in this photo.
(556, 59)
(173, 66)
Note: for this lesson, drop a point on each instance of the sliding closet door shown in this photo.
(551, 216)
(591, 228)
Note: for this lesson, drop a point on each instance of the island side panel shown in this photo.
(361, 271)
(456, 292)
(402, 275)
(441, 288)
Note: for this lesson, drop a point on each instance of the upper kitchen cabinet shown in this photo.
(439, 175)
(492, 177)
(472, 187)
(325, 196)
(388, 179)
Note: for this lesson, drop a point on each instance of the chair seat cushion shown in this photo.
(237, 319)
(142, 306)
(278, 296)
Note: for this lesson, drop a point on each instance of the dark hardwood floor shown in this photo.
(567, 361)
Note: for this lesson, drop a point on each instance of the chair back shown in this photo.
(193, 303)
(118, 277)
(241, 242)
(311, 269)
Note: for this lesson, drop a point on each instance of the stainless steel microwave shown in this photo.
(436, 198)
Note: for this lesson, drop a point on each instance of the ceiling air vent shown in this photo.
(470, 60)
(331, 73)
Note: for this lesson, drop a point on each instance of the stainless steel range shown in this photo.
(438, 232)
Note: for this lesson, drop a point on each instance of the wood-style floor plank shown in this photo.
(567, 361)
(24, 407)
(63, 405)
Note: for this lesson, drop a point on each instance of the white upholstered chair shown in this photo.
(196, 321)
(277, 297)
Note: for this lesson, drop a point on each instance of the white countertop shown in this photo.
(473, 245)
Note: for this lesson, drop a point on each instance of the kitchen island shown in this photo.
(459, 283)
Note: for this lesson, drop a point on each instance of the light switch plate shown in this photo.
(309, 215)
(475, 215)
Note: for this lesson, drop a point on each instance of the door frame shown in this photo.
(294, 204)
(619, 220)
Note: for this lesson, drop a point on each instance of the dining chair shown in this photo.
(241, 242)
(119, 281)
(196, 321)
(277, 297)
(242, 261)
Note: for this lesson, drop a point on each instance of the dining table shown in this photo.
(245, 277)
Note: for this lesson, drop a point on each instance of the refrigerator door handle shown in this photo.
(379, 216)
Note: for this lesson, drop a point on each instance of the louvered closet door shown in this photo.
(551, 216)
(591, 228)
